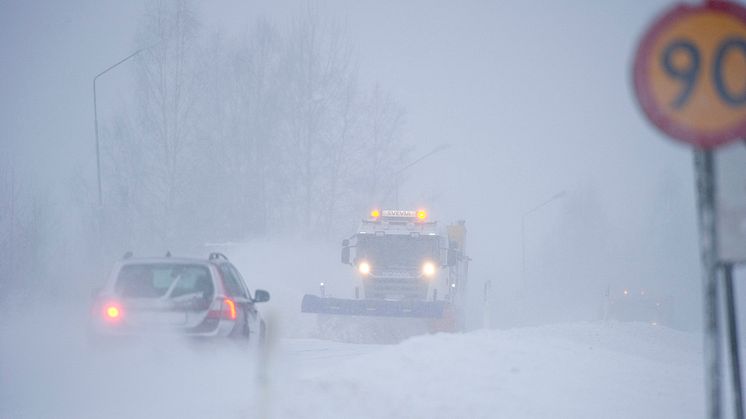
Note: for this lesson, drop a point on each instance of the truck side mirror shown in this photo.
(346, 255)
(453, 257)
(454, 254)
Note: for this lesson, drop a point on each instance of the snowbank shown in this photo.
(612, 370)
(583, 370)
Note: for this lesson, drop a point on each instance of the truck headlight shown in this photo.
(364, 268)
(428, 269)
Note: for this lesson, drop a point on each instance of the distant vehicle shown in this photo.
(637, 305)
(198, 298)
(404, 266)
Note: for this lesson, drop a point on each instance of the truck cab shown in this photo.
(404, 266)
(398, 256)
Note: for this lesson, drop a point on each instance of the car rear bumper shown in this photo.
(209, 328)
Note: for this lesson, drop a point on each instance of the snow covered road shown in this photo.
(592, 370)
(584, 370)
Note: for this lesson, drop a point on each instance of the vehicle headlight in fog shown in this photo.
(428, 269)
(364, 268)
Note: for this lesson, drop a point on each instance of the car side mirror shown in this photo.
(261, 296)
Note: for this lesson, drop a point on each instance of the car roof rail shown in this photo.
(127, 255)
(216, 255)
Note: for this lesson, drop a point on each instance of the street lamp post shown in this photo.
(523, 232)
(95, 122)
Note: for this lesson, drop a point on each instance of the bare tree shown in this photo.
(319, 68)
(270, 129)
(27, 231)
(256, 67)
(155, 155)
(382, 151)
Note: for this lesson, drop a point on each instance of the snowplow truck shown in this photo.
(404, 266)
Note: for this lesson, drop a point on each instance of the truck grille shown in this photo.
(396, 288)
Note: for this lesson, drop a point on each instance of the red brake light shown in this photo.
(112, 312)
(223, 309)
(231, 312)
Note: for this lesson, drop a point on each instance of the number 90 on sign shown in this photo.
(691, 70)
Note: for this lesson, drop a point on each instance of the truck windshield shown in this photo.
(397, 251)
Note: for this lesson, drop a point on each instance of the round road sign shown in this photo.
(690, 73)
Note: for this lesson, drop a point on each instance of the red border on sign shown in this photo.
(644, 91)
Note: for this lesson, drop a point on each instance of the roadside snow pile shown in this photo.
(591, 370)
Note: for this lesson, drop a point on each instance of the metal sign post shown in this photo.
(730, 199)
(703, 163)
(730, 306)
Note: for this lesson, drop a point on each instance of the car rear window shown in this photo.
(155, 280)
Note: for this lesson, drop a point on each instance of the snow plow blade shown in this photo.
(380, 308)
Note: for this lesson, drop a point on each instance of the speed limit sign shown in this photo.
(690, 73)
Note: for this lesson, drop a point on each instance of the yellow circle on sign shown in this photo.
(690, 73)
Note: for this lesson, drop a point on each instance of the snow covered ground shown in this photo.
(582, 370)
(592, 370)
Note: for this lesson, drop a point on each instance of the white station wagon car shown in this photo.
(177, 296)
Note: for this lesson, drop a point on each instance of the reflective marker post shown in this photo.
(704, 166)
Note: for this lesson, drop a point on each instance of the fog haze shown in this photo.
(568, 192)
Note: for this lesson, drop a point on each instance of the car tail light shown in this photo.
(223, 308)
(112, 312)
(231, 306)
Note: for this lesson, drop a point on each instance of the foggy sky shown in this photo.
(533, 98)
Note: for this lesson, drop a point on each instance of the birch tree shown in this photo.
(163, 149)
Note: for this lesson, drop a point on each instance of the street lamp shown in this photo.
(554, 197)
(396, 174)
(95, 121)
